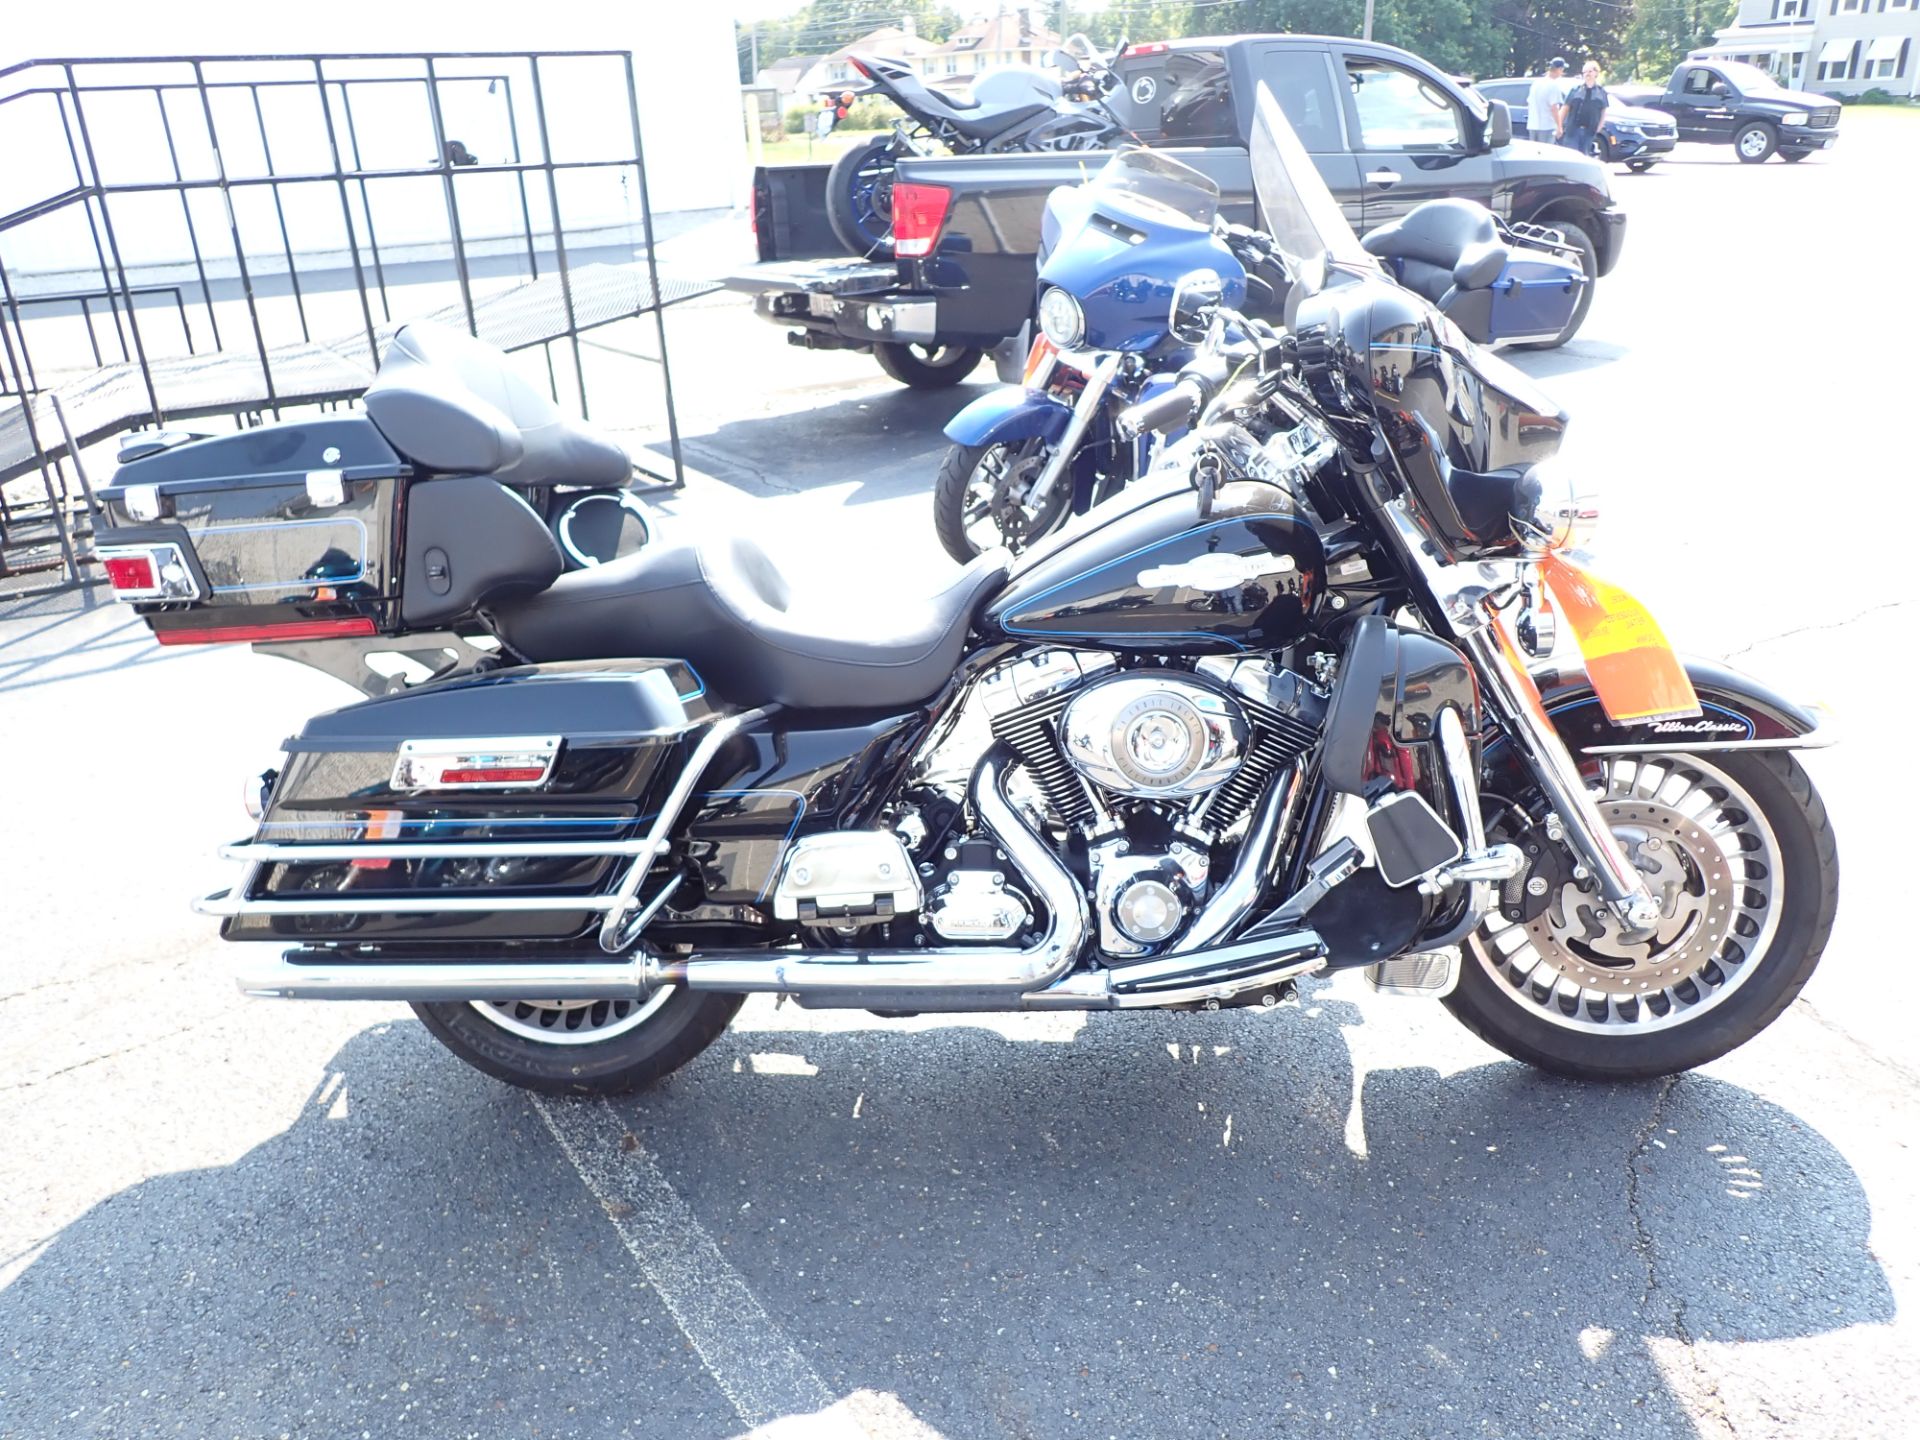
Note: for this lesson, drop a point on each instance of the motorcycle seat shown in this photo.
(970, 117)
(452, 404)
(720, 603)
(1441, 245)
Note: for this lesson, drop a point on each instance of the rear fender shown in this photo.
(1012, 412)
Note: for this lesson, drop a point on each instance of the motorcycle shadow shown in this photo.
(1148, 1223)
(888, 443)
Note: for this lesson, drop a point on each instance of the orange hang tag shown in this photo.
(1634, 671)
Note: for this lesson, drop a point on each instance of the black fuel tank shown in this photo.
(1160, 578)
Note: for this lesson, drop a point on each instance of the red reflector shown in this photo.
(131, 572)
(919, 214)
(496, 775)
(286, 630)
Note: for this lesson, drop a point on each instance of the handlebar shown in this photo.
(1177, 405)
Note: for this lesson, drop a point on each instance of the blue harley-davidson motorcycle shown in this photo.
(1025, 457)
(1265, 714)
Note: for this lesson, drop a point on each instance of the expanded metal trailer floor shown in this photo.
(114, 398)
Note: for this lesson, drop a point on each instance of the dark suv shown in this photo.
(1631, 136)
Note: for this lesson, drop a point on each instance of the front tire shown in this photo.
(1754, 142)
(926, 367)
(979, 498)
(1746, 860)
(590, 1048)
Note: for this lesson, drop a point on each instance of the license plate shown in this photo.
(1634, 670)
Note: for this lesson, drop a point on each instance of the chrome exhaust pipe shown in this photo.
(951, 977)
(282, 977)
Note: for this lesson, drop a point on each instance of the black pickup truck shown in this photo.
(1721, 102)
(1385, 128)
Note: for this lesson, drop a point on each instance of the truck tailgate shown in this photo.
(844, 276)
(790, 212)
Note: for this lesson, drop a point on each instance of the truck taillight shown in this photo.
(919, 214)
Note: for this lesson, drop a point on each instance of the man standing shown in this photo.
(1545, 105)
(1586, 111)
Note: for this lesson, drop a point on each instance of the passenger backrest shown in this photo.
(450, 403)
(471, 542)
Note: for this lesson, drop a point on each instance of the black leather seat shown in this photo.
(721, 605)
(1441, 246)
(969, 117)
(452, 404)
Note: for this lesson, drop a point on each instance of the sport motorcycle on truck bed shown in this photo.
(1267, 715)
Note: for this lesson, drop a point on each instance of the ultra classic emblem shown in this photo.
(1700, 727)
(1216, 572)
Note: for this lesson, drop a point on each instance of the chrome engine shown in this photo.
(1151, 767)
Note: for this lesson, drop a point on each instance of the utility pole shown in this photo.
(1366, 31)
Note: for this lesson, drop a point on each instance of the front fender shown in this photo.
(1012, 412)
(1737, 712)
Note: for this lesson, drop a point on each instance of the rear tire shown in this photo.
(1590, 262)
(1510, 1015)
(926, 367)
(682, 1024)
(1754, 142)
(860, 198)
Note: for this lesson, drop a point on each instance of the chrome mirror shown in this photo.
(1197, 297)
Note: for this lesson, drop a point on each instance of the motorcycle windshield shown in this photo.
(1296, 208)
(1146, 175)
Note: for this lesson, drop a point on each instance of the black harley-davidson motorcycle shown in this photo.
(1263, 715)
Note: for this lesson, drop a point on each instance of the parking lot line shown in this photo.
(749, 1357)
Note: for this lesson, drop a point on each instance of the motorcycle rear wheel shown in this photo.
(860, 198)
(1743, 853)
(591, 1048)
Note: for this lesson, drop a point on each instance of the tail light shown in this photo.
(860, 65)
(475, 764)
(148, 572)
(919, 215)
(269, 632)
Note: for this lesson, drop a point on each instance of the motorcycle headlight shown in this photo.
(1061, 319)
(1794, 117)
(1552, 510)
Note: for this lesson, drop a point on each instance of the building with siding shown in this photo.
(1830, 47)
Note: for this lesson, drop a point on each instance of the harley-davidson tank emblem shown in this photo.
(1216, 572)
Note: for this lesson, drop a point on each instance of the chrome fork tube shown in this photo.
(1518, 700)
(1092, 396)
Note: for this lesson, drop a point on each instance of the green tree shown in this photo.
(1663, 31)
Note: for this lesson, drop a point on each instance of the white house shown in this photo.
(1837, 47)
(835, 72)
(1011, 37)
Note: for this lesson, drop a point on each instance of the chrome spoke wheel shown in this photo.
(571, 1022)
(1714, 864)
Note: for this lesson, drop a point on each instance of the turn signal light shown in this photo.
(919, 215)
(148, 572)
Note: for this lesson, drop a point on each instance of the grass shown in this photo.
(803, 150)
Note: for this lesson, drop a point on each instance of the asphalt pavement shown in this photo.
(1342, 1218)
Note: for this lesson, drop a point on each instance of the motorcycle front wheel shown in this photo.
(584, 1047)
(1738, 848)
(980, 498)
